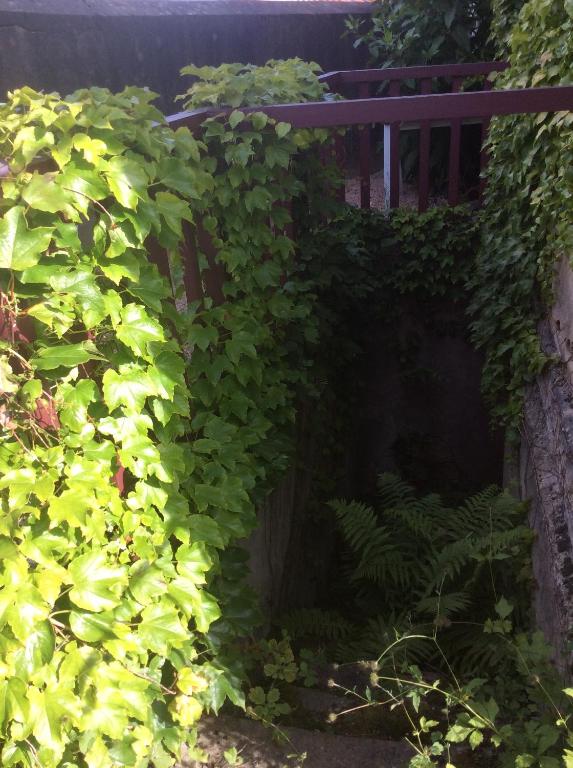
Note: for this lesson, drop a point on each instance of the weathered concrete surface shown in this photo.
(323, 750)
(424, 419)
(290, 547)
(63, 45)
(422, 414)
(546, 472)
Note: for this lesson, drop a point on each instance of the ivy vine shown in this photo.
(137, 438)
(527, 220)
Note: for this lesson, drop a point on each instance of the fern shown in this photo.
(358, 524)
(445, 606)
(317, 623)
(381, 632)
(394, 491)
(438, 563)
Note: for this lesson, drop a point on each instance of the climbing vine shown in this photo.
(527, 221)
(136, 437)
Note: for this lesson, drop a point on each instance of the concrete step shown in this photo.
(259, 747)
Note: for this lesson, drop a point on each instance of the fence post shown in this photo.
(158, 256)
(340, 157)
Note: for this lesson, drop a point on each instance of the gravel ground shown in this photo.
(408, 193)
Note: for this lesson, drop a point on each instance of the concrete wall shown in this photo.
(422, 414)
(422, 417)
(67, 44)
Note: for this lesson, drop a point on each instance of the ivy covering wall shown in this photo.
(527, 220)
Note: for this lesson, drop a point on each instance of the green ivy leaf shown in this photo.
(130, 387)
(204, 528)
(65, 356)
(44, 194)
(282, 129)
(20, 247)
(137, 329)
(173, 210)
(91, 627)
(37, 650)
(161, 628)
(146, 582)
(203, 335)
(97, 585)
(127, 180)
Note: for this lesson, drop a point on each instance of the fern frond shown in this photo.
(447, 564)
(316, 622)
(357, 523)
(444, 605)
(394, 492)
(380, 633)
(471, 650)
(387, 567)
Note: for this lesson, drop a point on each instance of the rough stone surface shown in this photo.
(546, 472)
(323, 750)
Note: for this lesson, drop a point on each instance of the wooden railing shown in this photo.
(404, 81)
(398, 112)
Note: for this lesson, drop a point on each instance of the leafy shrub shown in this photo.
(101, 579)
(402, 33)
(136, 440)
(518, 717)
(236, 85)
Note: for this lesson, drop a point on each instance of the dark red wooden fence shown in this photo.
(435, 97)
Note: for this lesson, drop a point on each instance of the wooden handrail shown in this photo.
(443, 106)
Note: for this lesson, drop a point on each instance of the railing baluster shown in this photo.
(364, 152)
(484, 154)
(340, 157)
(454, 164)
(288, 230)
(191, 273)
(424, 162)
(214, 276)
(392, 156)
(158, 256)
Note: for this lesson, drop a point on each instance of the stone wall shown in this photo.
(546, 472)
(68, 44)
